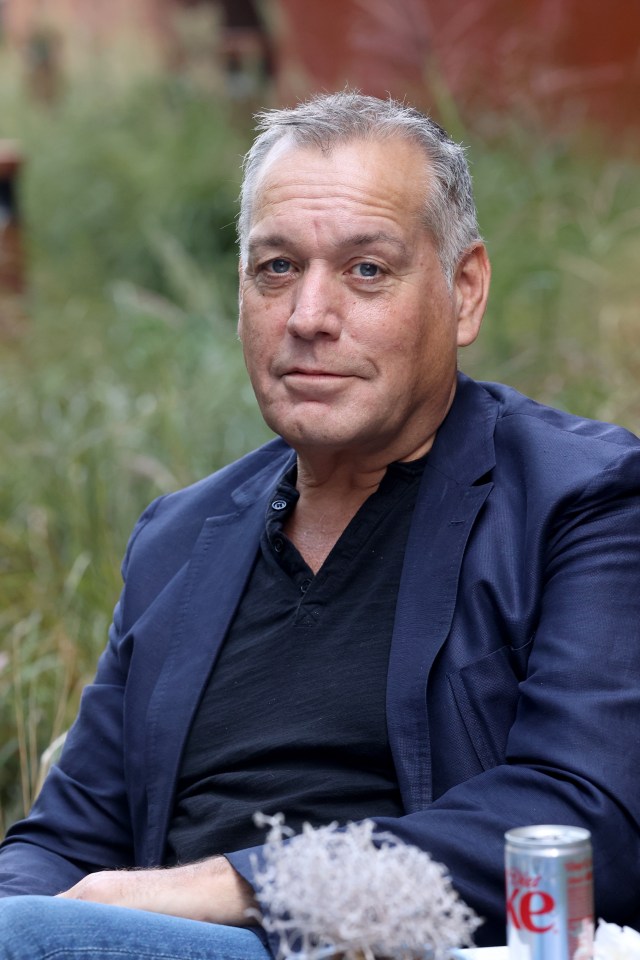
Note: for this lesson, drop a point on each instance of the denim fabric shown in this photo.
(44, 928)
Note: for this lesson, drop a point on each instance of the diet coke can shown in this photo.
(549, 879)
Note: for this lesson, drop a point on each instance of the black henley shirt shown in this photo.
(293, 716)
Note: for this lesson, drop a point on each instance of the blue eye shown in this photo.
(279, 265)
(368, 269)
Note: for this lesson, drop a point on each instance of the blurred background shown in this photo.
(121, 130)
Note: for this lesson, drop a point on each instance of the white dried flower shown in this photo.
(358, 893)
(616, 943)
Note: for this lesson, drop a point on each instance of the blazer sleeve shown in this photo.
(573, 749)
(80, 822)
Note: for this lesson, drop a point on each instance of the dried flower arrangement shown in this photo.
(338, 891)
(616, 943)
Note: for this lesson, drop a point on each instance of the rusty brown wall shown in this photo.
(556, 60)
(91, 21)
(559, 60)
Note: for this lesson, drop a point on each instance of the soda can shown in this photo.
(549, 889)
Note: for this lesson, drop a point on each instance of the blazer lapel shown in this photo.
(448, 504)
(451, 495)
(211, 587)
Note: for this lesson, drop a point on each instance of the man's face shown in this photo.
(349, 330)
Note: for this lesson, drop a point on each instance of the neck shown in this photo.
(323, 512)
(332, 490)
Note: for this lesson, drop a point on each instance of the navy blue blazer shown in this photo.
(514, 678)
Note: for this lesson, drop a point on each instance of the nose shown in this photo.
(315, 308)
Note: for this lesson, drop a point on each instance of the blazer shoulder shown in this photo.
(171, 524)
(522, 414)
(550, 447)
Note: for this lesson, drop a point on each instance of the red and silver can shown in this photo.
(549, 879)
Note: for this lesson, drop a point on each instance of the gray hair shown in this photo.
(325, 121)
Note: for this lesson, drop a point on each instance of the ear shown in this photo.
(471, 290)
(240, 272)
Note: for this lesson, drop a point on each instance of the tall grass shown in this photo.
(562, 223)
(129, 382)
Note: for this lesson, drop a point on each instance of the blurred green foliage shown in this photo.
(562, 223)
(128, 381)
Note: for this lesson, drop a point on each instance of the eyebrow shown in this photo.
(264, 243)
(279, 240)
(368, 239)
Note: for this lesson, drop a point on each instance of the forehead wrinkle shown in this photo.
(324, 188)
(377, 178)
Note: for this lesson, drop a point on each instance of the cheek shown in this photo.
(261, 335)
(419, 351)
(260, 316)
(253, 347)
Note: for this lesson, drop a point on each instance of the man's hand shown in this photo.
(211, 891)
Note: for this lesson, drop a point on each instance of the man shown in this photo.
(421, 605)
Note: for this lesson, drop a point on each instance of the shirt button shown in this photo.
(278, 544)
(279, 504)
(304, 586)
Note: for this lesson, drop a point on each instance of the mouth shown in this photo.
(314, 372)
(314, 383)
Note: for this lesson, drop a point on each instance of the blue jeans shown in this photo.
(45, 928)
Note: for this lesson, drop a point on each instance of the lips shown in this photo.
(314, 369)
(314, 383)
(313, 372)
